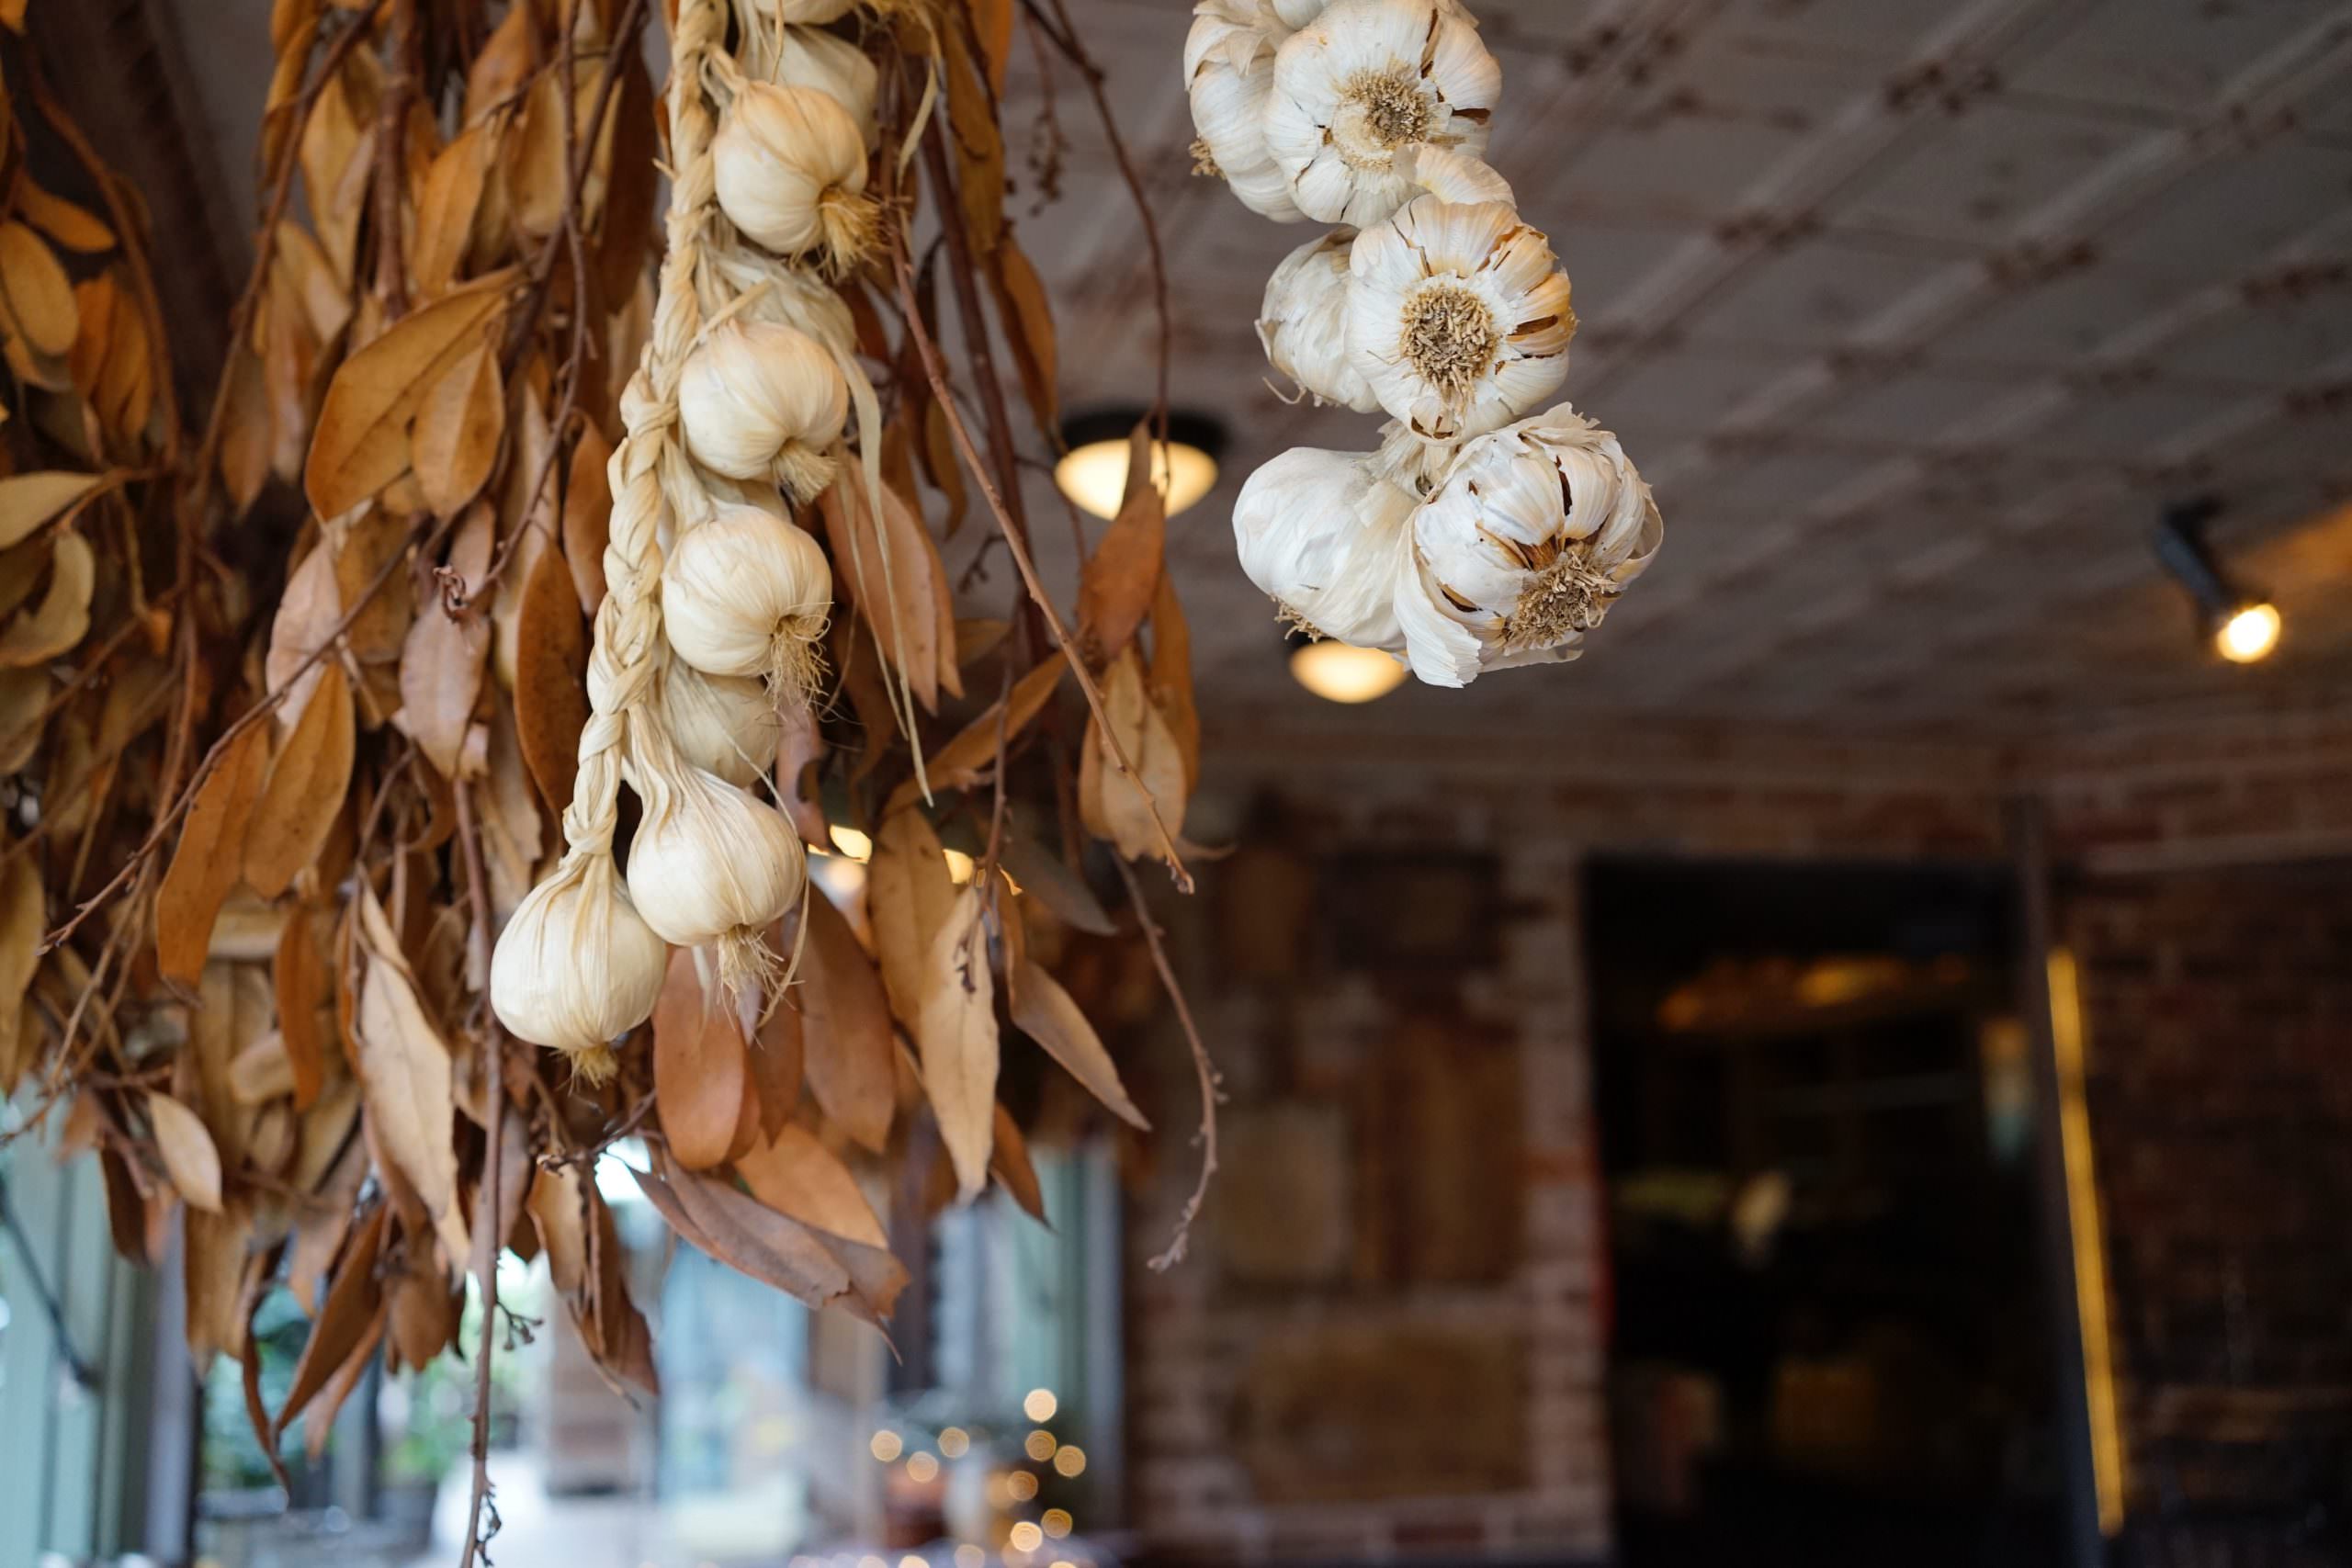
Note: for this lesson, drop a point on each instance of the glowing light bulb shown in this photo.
(1040, 1406)
(1095, 476)
(1338, 673)
(955, 1443)
(886, 1446)
(922, 1469)
(2250, 635)
(1020, 1485)
(1040, 1445)
(1070, 1460)
(1027, 1536)
(1057, 1522)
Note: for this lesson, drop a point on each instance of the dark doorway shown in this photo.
(1816, 1104)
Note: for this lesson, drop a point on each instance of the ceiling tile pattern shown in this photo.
(1915, 313)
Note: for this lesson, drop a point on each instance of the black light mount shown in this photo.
(2242, 625)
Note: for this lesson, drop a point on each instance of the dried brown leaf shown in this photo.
(444, 209)
(62, 617)
(362, 441)
(39, 295)
(406, 1075)
(698, 1066)
(458, 427)
(900, 597)
(958, 1037)
(1120, 581)
(209, 860)
(909, 893)
(341, 1327)
(1009, 1163)
(796, 1174)
(22, 918)
(560, 1215)
(72, 226)
(189, 1157)
(845, 1030)
(1045, 1012)
(306, 789)
(1171, 677)
(587, 517)
(28, 501)
(1028, 313)
(775, 1062)
(441, 666)
(550, 679)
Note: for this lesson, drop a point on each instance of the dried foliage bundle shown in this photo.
(614, 590)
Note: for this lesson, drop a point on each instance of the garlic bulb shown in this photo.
(726, 724)
(791, 173)
(1304, 323)
(712, 867)
(1228, 71)
(758, 398)
(1295, 14)
(577, 967)
(1325, 537)
(807, 57)
(1522, 551)
(1367, 81)
(747, 593)
(1458, 317)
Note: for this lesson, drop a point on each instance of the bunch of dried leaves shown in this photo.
(276, 771)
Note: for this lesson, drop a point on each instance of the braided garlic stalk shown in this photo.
(582, 961)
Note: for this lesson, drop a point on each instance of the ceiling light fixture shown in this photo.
(2243, 626)
(1338, 673)
(1093, 472)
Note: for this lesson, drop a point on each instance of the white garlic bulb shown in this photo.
(1325, 537)
(1304, 325)
(1228, 71)
(1297, 14)
(1522, 551)
(577, 967)
(711, 866)
(726, 724)
(1458, 317)
(747, 593)
(809, 57)
(758, 399)
(1365, 82)
(790, 169)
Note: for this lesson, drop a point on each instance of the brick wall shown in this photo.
(2217, 999)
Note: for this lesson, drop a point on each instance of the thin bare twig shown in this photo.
(1206, 1070)
(488, 1243)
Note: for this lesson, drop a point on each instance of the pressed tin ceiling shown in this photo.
(1915, 313)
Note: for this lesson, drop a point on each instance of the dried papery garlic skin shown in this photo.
(577, 967)
(1453, 175)
(711, 866)
(758, 399)
(1459, 317)
(1325, 537)
(1228, 72)
(746, 593)
(1522, 551)
(726, 724)
(1303, 324)
(790, 169)
(1366, 82)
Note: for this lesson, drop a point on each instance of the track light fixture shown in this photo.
(2242, 625)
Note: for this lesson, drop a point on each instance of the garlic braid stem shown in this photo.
(629, 623)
